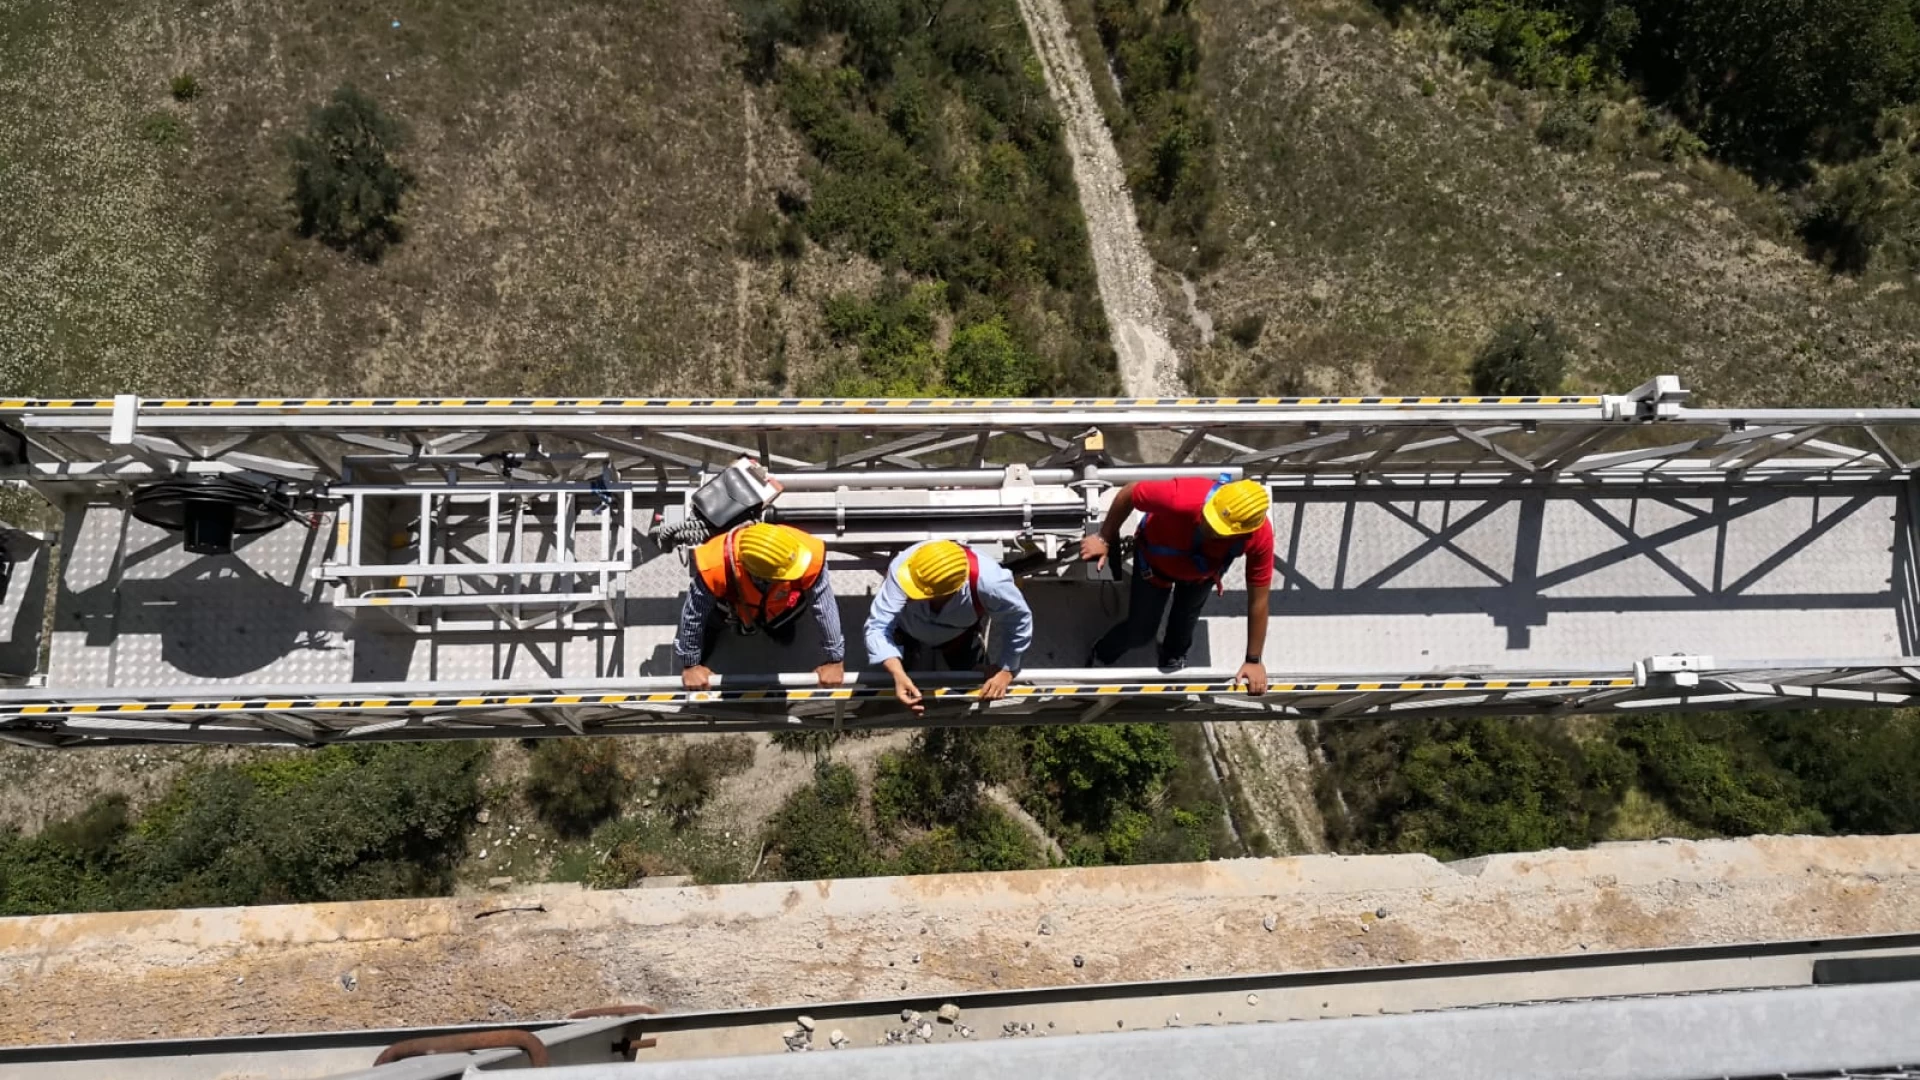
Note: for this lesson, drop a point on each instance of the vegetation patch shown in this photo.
(1165, 133)
(346, 185)
(936, 153)
(342, 823)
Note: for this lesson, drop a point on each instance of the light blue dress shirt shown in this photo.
(893, 614)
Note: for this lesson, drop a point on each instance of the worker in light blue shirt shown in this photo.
(940, 594)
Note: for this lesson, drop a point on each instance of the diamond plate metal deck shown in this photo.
(1517, 582)
(1435, 556)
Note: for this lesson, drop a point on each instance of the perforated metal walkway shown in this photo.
(1433, 555)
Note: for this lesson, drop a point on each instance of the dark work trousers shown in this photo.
(781, 633)
(964, 653)
(1146, 600)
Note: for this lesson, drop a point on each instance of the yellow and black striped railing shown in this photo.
(523, 404)
(200, 708)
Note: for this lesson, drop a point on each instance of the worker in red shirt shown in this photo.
(1194, 529)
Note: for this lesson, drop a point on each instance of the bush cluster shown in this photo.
(1526, 355)
(346, 187)
(1460, 788)
(342, 823)
(575, 784)
(1801, 94)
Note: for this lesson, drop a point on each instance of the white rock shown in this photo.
(949, 1012)
(1253, 999)
(908, 1016)
(1269, 922)
(805, 1022)
(837, 1037)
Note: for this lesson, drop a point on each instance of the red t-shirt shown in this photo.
(1174, 508)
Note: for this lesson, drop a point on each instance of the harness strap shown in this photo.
(1196, 549)
(973, 585)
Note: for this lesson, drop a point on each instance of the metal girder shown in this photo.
(376, 712)
(679, 440)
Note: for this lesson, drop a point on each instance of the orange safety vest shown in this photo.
(719, 569)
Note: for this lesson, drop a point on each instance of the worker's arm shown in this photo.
(1097, 546)
(887, 604)
(1012, 630)
(826, 615)
(689, 644)
(1254, 671)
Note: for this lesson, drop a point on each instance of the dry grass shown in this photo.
(1382, 231)
(581, 166)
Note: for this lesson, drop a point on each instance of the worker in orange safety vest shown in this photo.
(758, 578)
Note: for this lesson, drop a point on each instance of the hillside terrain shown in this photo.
(1351, 198)
(1382, 204)
(836, 197)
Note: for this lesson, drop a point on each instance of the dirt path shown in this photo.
(1148, 365)
(999, 797)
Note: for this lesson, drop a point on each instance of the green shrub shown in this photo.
(984, 840)
(688, 782)
(984, 360)
(575, 784)
(374, 821)
(1707, 773)
(1098, 771)
(1855, 765)
(1527, 355)
(1464, 787)
(1569, 124)
(757, 233)
(346, 188)
(1245, 330)
(934, 151)
(818, 832)
(184, 87)
(1527, 44)
(815, 741)
(163, 129)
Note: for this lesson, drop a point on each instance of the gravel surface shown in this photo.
(540, 955)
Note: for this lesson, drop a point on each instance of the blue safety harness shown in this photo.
(1196, 551)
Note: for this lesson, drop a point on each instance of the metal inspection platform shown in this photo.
(461, 568)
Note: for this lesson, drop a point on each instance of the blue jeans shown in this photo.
(1146, 600)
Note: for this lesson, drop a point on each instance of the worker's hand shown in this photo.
(1254, 676)
(996, 685)
(908, 694)
(831, 673)
(696, 677)
(1093, 549)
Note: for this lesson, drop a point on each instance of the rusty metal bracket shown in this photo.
(628, 1047)
(522, 1041)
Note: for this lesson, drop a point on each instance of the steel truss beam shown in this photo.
(670, 445)
(390, 712)
(1031, 471)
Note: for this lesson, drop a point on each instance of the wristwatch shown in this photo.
(1255, 660)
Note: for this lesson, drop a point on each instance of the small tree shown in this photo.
(1526, 355)
(576, 784)
(345, 187)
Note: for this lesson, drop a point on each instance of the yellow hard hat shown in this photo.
(935, 569)
(1237, 508)
(773, 552)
